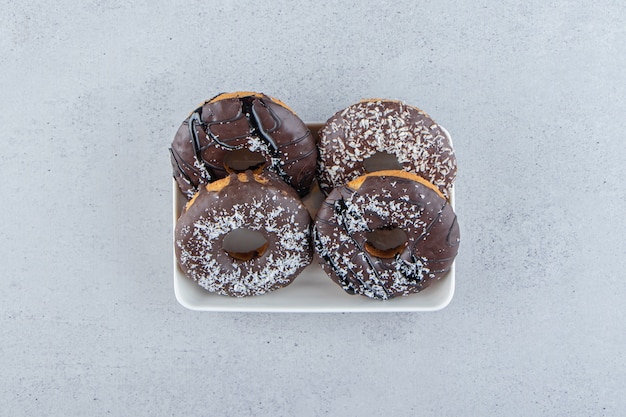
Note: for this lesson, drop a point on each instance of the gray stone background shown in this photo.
(534, 96)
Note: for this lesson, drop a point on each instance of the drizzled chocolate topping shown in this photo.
(254, 122)
(348, 217)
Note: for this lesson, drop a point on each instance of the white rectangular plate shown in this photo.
(311, 292)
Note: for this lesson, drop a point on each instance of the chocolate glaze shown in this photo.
(255, 122)
(347, 216)
(361, 130)
(263, 204)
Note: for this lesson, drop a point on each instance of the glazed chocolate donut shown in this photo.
(409, 136)
(386, 234)
(255, 204)
(255, 128)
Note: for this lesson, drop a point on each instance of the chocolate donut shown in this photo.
(247, 126)
(386, 234)
(389, 128)
(257, 204)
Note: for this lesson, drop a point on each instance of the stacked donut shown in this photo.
(245, 161)
(386, 228)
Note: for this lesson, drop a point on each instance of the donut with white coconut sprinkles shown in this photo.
(377, 133)
(246, 234)
(386, 234)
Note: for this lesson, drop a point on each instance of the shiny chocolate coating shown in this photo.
(263, 204)
(382, 202)
(252, 121)
(370, 127)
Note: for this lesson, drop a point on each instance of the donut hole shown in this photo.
(241, 160)
(244, 244)
(386, 242)
(381, 161)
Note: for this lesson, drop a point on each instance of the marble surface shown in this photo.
(534, 96)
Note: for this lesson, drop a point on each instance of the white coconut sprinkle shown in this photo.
(366, 128)
(202, 256)
(346, 258)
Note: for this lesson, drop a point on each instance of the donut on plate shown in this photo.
(233, 132)
(266, 220)
(386, 234)
(404, 135)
